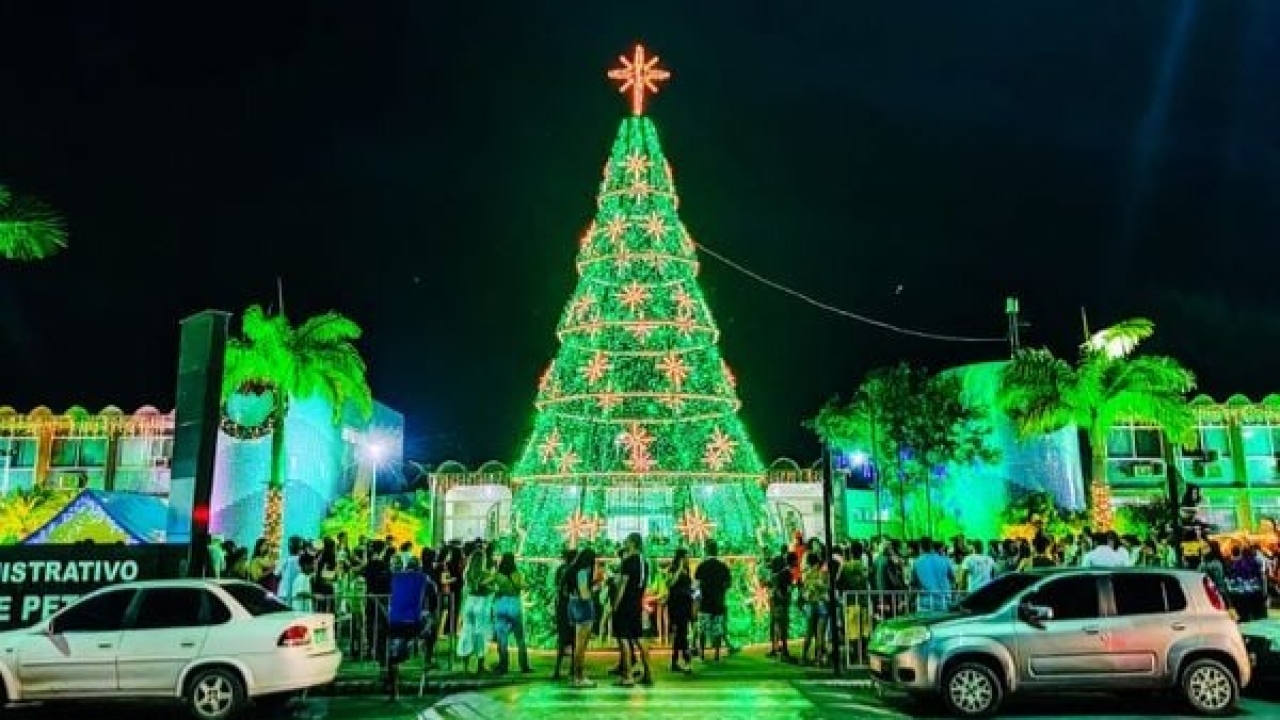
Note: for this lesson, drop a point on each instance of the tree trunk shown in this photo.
(928, 503)
(902, 494)
(273, 511)
(1100, 507)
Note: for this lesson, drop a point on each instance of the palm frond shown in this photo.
(1121, 339)
(316, 359)
(331, 327)
(29, 229)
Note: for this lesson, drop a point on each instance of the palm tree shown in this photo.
(316, 358)
(29, 229)
(1042, 393)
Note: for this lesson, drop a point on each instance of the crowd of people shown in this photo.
(395, 595)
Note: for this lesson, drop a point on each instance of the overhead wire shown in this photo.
(912, 332)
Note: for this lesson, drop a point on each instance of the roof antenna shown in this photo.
(280, 295)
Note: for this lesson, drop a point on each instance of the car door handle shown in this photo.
(104, 646)
(187, 644)
(1091, 629)
(1179, 626)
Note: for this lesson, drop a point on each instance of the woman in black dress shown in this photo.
(565, 630)
(680, 608)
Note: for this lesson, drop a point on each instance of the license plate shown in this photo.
(322, 636)
(876, 664)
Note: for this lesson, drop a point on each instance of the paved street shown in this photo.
(706, 699)
(731, 695)
(322, 708)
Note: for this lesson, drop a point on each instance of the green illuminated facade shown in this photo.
(636, 426)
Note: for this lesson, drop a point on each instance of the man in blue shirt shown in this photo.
(934, 575)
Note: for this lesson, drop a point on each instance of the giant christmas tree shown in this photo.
(636, 426)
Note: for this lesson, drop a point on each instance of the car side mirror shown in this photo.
(1035, 615)
(1040, 613)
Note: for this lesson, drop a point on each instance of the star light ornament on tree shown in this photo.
(580, 527)
(636, 417)
(696, 527)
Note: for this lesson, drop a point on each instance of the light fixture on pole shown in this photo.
(373, 454)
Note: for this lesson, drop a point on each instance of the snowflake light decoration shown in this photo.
(695, 526)
(580, 527)
(719, 450)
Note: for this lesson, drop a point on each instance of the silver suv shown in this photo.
(1080, 629)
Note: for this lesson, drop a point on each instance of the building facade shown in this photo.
(111, 450)
(118, 452)
(1236, 462)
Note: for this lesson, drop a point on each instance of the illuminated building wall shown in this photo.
(973, 496)
(1236, 463)
(130, 452)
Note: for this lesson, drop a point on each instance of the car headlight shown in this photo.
(909, 636)
(912, 636)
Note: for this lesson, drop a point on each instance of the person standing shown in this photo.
(628, 610)
(565, 631)
(582, 613)
(377, 584)
(780, 597)
(934, 576)
(1108, 553)
(976, 569)
(680, 609)
(477, 610)
(508, 613)
(713, 580)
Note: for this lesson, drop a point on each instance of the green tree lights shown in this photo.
(275, 359)
(636, 426)
(29, 230)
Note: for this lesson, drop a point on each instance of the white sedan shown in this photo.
(213, 644)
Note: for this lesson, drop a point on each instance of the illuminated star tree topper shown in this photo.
(638, 75)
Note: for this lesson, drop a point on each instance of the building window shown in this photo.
(93, 452)
(1135, 453)
(21, 452)
(1215, 440)
(143, 452)
(1260, 444)
(65, 452)
(88, 452)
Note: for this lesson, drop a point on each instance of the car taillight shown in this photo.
(1215, 597)
(295, 636)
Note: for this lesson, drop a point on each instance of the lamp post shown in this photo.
(833, 616)
(373, 452)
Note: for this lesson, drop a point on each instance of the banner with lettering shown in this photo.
(36, 581)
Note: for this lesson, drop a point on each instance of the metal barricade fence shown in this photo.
(360, 625)
(861, 611)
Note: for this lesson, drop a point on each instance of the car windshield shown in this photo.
(996, 593)
(255, 600)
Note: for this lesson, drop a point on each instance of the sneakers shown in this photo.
(582, 683)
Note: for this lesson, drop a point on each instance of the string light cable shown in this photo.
(942, 337)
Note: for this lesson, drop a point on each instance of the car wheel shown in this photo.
(1210, 687)
(971, 689)
(214, 694)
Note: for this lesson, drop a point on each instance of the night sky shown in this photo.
(427, 168)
